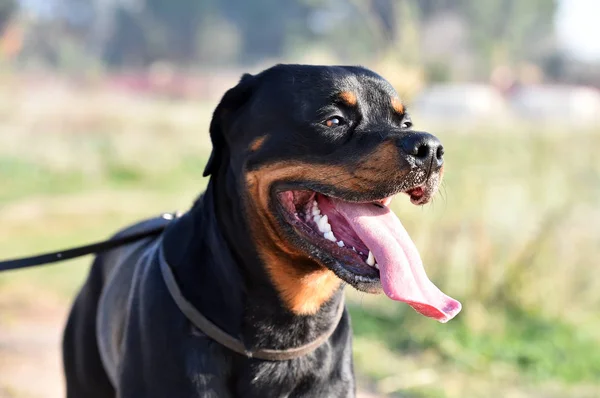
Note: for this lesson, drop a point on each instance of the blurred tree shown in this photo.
(266, 26)
(156, 30)
(467, 37)
(129, 44)
(172, 30)
(509, 29)
(501, 31)
(173, 25)
(7, 10)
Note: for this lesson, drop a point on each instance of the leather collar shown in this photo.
(225, 339)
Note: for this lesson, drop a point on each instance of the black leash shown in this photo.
(98, 247)
(190, 312)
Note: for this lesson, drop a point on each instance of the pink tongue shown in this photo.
(402, 274)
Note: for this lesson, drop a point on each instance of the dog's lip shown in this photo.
(383, 199)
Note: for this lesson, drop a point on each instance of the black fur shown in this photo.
(124, 309)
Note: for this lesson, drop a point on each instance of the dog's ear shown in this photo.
(231, 102)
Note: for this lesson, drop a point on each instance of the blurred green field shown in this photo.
(514, 235)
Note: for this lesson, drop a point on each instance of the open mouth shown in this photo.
(366, 246)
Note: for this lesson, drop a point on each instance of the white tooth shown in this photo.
(315, 208)
(340, 243)
(324, 219)
(376, 265)
(316, 218)
(353, 248)
(329, 236)
(371, 259)
(323, 224)
(361, 253)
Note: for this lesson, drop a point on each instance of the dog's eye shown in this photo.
(406, 124)
(334, 121)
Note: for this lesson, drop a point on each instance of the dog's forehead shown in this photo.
(322, 84)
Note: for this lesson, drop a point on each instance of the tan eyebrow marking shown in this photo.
(257, 143)
(397, 105)
(348, 97)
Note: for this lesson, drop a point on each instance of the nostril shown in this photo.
(439, 153)
(422, 151)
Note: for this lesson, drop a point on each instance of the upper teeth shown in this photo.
(315, 209)
(330, 236)
(322, 222)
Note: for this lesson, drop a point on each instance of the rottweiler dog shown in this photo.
(305, 162)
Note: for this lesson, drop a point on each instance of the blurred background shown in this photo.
(104, 112)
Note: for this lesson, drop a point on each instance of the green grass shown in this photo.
(513, 235)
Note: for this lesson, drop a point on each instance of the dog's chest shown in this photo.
(305, 377)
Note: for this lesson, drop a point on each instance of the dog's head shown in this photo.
(322, 151)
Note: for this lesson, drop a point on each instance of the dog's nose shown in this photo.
(425, 148)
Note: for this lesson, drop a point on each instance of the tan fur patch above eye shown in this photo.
(257, 143)
(349, 98)
(397, 105)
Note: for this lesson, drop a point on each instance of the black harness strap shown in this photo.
(98, 247)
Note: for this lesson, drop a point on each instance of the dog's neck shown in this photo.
(209, 249)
